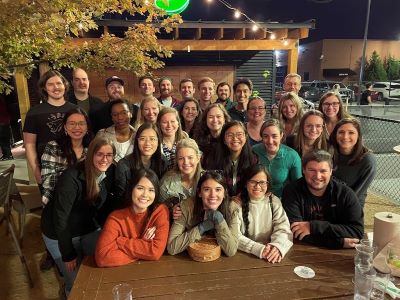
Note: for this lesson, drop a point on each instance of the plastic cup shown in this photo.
(363, 278)
(379, 284)
(122, 291)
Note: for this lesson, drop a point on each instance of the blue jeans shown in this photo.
(84, 245)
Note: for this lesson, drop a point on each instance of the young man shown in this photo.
(166, 89)
(242, 89)
(206, 87)
(43, 122)
(146, 87)
(321, 210)
(223, 93)
(186, 88)
(80, 96)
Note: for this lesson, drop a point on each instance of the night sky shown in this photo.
(335, 19)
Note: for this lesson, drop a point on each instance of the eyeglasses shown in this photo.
(108, 156)
(261, 183)
(74, 124)
(123, 113)
(238, 135)
(311, 126)
(333, 104)
(257, 108)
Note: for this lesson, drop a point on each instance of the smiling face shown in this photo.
(150, 111)
(187, 160)
(103, 158)
(190, 112)
(206, 91)
(330, 107)
(256, 110)
(143, 195)
(165, 88)
(169, 124)
(235, 138)
(215, 119)
(257, 186)
(76, 126)
(242, 93)
(55, 88)
(187, 90)
(271, 137)
(121, 115)
(80, 81)
(292, 84)
(148, 142)
(317, 176)
(313, 127)
(289, 109)
(146, 87)
(347, 137)
(115, 90)
(212, 194)
(223, 92)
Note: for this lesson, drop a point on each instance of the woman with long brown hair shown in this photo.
(331, 105)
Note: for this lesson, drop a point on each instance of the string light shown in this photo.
(237, 14)
(255, 27)
(285, 42)
(272, 36)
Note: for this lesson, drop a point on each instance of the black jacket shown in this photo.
(343, 216)
(70, 215)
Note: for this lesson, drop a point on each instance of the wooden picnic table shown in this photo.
(240, 276)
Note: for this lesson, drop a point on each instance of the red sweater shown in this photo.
(121, 242)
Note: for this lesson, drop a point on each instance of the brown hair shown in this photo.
(341, 113)
(299, 113)
(179, 134)
(46, 76)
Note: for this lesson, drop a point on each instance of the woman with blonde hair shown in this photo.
(180, 183)
(311, 134)
(290, 113)
(331, 105)
(83, 200)
(149, 109)
(170, 129)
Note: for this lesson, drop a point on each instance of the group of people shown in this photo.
(166, 172)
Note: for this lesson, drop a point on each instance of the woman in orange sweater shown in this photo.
(140, 230)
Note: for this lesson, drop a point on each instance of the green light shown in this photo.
(172, 6)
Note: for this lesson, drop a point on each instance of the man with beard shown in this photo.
(80, 96)
(321, 210)
(166, 89)
(223, 93)
(186, 88)
(242, 89)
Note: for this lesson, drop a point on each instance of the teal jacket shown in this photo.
(283, 168)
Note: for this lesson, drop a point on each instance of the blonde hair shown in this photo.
(179, 134)
(140, 118)
(190, 143)
(203, 80)
(299, 113)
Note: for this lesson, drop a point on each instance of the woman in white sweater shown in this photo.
(264, 226)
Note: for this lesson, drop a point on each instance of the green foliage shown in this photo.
(374, 69)
(392, 67)
(49, 30)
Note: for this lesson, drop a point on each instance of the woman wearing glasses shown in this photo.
(209, 212)
(332, 107)
(121, 133)
(82, 201)
(66, 151)
(264, 227)
(281, 161)
(232, 155)
(311, 135)
(256, 114)
(146, 154)
(353, 163)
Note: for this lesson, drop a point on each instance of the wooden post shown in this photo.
(293, 57)
(24, 105)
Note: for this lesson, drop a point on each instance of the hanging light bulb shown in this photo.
(237, 14)
(255, 27)
(285, 42)
(272, 36)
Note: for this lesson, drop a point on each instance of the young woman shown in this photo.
(332, 107)
(256, 114)
(180, 184)
(210, 211)
(190, 115)
(209, 129)
(264, 227)
(146, 154)
(121, 133)
(353, 163)
(83, 200)
(281, 161)
(290, 113)
(148, 111)
(138, 231)
(169, 126)
(311, 135)
(232, 155)
(66, 151)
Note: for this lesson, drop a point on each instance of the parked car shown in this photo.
(323, 86)
(309, 93)
(386, 90)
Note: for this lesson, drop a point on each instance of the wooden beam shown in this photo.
(240, 34)
(198, 34)
(293, 57)
(281, 33)
(43, 68)
(299, 33)
(219, 34)
(105, 29)
(176, 33)
(215, 45)
(261, 34)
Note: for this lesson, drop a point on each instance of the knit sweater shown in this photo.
(121, 241)
(268, 224)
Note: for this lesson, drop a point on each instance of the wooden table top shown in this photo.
(240, 276)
